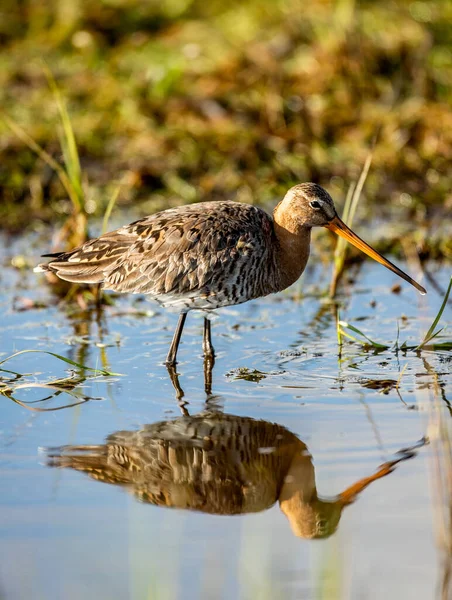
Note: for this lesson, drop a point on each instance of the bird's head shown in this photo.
(308, 205)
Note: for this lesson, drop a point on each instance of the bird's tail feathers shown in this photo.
(80, 458)
(78, 267)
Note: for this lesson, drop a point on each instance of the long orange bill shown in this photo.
(339, 227)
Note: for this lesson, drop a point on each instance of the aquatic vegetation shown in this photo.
(63, 358)
(248, 374)
(74, 230)
(71, 385)
(344, 329)
(433, 332)
(71, 159)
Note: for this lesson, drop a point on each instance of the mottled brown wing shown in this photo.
(187, 249)
(172, 252)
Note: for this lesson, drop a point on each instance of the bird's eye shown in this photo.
(315, 204)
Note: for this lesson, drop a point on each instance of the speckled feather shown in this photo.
(203, 255)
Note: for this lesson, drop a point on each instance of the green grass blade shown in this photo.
(14, 373)
(339, 252)
(348, 202)
(353, 338)
(109, 208)
(434, 335)
(68, 143)
(39, 409)
(63, 358)
(351, 203)
(377, 345)
(446, 346)
(396, 343)
(359, 187)
(43, 155)
(338, 329)
(429, 335)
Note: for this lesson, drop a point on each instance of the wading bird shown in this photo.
(211, 254)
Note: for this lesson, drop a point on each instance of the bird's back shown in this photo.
(202, 255)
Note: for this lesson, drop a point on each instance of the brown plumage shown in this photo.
(218, 464)
(208, 255)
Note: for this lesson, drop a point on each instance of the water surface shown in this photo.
(66, 534)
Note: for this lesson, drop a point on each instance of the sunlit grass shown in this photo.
(43, 155)
(111, 203)
(70, 173)
(351, 204)
(74, 230)
(63, 358)
(344, 329)
(433, 332)
(69, 147)
(347, 330)
(70, 385)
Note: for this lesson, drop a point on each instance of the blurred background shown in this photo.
(114, 109)
(186, 100)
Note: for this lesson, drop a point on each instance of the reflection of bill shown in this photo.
(218, 464)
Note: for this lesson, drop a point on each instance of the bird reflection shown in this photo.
(219, 464)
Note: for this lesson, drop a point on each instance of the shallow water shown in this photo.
(67, 535)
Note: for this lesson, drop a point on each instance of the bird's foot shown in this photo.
(174, 377)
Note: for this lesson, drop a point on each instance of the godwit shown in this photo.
(211, 254)
(219, 464)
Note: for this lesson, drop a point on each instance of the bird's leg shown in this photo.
(178, 389)
(171, 358)
(175, 382)
(207, 347)
(209, 356)
(209, 362)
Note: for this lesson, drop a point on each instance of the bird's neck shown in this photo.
(298, 494)
(292, 251)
